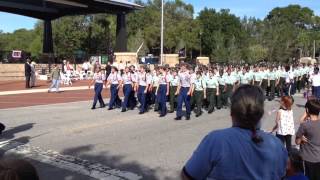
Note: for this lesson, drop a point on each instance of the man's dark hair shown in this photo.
(247, 108)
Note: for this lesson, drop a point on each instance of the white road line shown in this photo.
(94, 170)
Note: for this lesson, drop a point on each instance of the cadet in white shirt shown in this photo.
(212, 84)
(163, 91)
(153, 88)
(114, 80)
(174, 83)
(143, 83)
(184, 92)
(127, 84)
(199, 92)
(315, 81)
(98, 81)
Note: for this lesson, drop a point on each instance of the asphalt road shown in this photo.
(129, 145)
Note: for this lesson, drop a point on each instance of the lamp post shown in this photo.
(162, 27)
(200, 43)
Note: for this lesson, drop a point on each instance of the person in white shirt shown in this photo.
(143, 83)
(98, 81)
(284, 122)
(127, 83)
(315, 81)
(114, 80)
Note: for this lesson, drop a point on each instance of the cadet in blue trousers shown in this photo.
(184, 92)
(163, 91)
(98, 80)
(127, 86)
(114, 80)
(143, 83)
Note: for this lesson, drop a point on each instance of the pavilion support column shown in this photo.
(121, 37)
(48, 43)
(47, 38)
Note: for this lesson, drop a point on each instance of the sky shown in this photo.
(250, 8)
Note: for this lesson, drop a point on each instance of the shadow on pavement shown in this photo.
(10, 133)
(116, 162)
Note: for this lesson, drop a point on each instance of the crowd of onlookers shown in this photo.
(246, 152)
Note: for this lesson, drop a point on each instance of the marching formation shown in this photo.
(198, 88)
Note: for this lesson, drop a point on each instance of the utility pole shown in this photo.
(314, 49)
(162, 27)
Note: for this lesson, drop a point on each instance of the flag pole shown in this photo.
(162, 27)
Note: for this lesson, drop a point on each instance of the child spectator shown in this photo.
(284, 122)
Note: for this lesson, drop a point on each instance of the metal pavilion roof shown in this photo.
(53, 9)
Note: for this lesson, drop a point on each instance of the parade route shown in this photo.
(62, 139)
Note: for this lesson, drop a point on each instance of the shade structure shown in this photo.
(49, 10)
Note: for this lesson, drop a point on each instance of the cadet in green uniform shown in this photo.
(272, 79)
(212, 85)
(230, 84)
(174, 83)
(199, 92)
(264, 75)
(257, 77)
(223, 101)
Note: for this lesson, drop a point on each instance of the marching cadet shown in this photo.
(264, 83)
(315, 82)
(184, 92)
(162, 91)
(143, 83)
(127, 84)
(98, 81)
(289, 78)
(245, 77)
(230, 86)
(153, 88)
(174, 83)
(199, 92)
(114, 80)
(212, 91)
(222, 87)
(257, 77)
(272, 80)
(193, 78)
(133, 99)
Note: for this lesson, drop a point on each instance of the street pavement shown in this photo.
(69, 141)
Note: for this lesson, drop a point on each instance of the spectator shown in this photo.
(242, 151)
(86, 66)
(308, 137)
(17, 170)
(55, 77)
(295, 166)
(33, 74)
(284, 122)
(27, 73)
